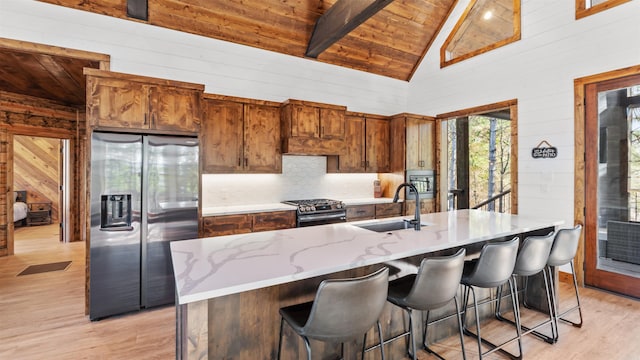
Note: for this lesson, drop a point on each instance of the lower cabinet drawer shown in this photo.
(361, 212)
(226, 225)
(426, 206)
(275, 220)
(388, 210)
(246, 223)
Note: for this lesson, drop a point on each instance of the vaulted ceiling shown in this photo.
(390, 43)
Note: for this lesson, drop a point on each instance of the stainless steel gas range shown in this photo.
(318, 211)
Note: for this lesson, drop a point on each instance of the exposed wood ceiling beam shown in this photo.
(339, 20)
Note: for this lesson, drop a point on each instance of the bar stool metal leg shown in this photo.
(478, 336)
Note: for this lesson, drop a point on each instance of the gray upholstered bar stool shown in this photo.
(532, 260)
(343, 310)
(563, 251)
(434, 286)
(492, 269)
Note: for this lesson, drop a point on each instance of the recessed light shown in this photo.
(487, 15)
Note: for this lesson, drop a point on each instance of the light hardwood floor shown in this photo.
(42, 317)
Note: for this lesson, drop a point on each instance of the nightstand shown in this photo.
(39, 213)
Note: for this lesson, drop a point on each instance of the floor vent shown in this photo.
(42, 268)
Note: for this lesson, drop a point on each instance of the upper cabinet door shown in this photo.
(116, 103)
(305, 121)
(222, 136)
(332, 124)
(354, 158)
(262, 139)
(174, 109)
(377, 145)
(413, 156)
(427, 158)
(419, 144)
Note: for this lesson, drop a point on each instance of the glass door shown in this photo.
(612, 165)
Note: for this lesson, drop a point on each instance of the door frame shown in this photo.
(580, 191)
(70, 187)
(512, 105)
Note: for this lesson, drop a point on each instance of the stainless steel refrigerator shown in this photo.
(144, 194)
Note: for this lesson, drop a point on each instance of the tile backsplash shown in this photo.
(303, 177)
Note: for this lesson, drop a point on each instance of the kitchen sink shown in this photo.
(385, 226)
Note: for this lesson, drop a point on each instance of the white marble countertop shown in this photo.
(213, 267)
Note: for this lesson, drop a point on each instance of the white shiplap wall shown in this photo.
(538, 71)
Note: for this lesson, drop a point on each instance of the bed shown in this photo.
(20, 208)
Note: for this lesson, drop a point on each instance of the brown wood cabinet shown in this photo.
(388, 210)
(312, 128)
(274, 220)
(245, 223)
(226, 225)
(427, 206)
(240, 137)
(373, 211)
(413, 142)
(419, 143)
(361, 212)
(121, 101)
(366, 146)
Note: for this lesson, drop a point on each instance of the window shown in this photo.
(589, 7)
(484, 26)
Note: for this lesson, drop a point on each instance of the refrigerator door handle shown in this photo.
(122, 228)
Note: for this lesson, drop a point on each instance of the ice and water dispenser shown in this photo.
(115, 212)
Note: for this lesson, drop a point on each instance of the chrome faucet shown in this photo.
(416, 220)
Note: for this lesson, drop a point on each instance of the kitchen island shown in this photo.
(229, 288)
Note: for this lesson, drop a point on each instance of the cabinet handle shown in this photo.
(322, 131)
(145, 119)
(239, 161)
(246, 161)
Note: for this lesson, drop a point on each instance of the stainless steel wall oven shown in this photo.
(424, 181)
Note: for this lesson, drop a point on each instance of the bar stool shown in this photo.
(343, 309)
(532, 259)
(433, 287)
(492, 269)
(563, 251)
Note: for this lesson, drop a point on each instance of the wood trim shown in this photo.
(513, 113)
(582, 11)
(580, 192)
(438, 163)
(366, 115)
(139, 78)
(512, 105)
(478, 109)
(239, 99)
(516, 36)
(53, 50)
(315, 104)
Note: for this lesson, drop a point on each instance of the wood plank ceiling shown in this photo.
(52, 77)
(391, 43)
